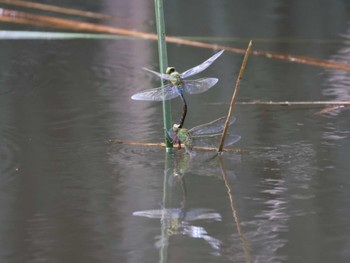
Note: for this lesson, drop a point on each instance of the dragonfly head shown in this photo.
(170, 70)
(176, 127)
(176, 77)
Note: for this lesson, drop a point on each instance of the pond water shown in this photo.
(70, 195)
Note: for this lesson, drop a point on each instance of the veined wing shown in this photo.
(202, 213)
(199, 85)
(167, 92)
(201, 67)
(214, 140)
(231, 139)
(173, 136)
(161, 75)
(215, 126)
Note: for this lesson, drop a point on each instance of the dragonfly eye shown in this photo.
(170, 70)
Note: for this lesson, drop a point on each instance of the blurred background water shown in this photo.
(69, 195)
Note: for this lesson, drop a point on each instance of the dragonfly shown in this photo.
(208, 135)
(177, 85)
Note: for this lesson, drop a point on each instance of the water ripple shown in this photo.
(9, 152)
(285, 184)
(337, 81)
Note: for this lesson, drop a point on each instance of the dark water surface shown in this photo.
(68, 195)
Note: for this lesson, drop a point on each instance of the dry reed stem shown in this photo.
(289, 103)
(154, 144)
(57, 9)
(234, 96)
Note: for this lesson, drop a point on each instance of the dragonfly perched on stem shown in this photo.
(208, 134)
(177, 85)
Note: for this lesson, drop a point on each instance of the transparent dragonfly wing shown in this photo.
(215, 126)
(199, 85)
(202, 214)
(161, 75)
(167, 92)
(231, 139)
(214, 140)
(201, 67)
(173, 136)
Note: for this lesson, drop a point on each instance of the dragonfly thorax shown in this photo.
(177, 81)
(185, 137)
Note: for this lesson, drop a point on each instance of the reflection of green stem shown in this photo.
(169, 168)
(245, 243)
(164, 247)
(163, 64)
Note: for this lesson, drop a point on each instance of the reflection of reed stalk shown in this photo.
(221, 146)
(245, 244)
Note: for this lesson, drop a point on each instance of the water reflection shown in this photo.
(176, 217)
(177, 221)
(284, 191)
(271, 222)
(181, 220)
(203, 163)
(9, 152)
(337, 81)
(74, 196)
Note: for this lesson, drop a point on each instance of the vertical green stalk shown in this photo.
(163, 64)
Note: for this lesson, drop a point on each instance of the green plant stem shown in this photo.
(163, 64)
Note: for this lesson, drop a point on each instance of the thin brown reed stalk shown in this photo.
(234, 96)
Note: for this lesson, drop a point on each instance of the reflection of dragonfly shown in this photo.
(207, 135)
(177, 220)
(177, 85)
